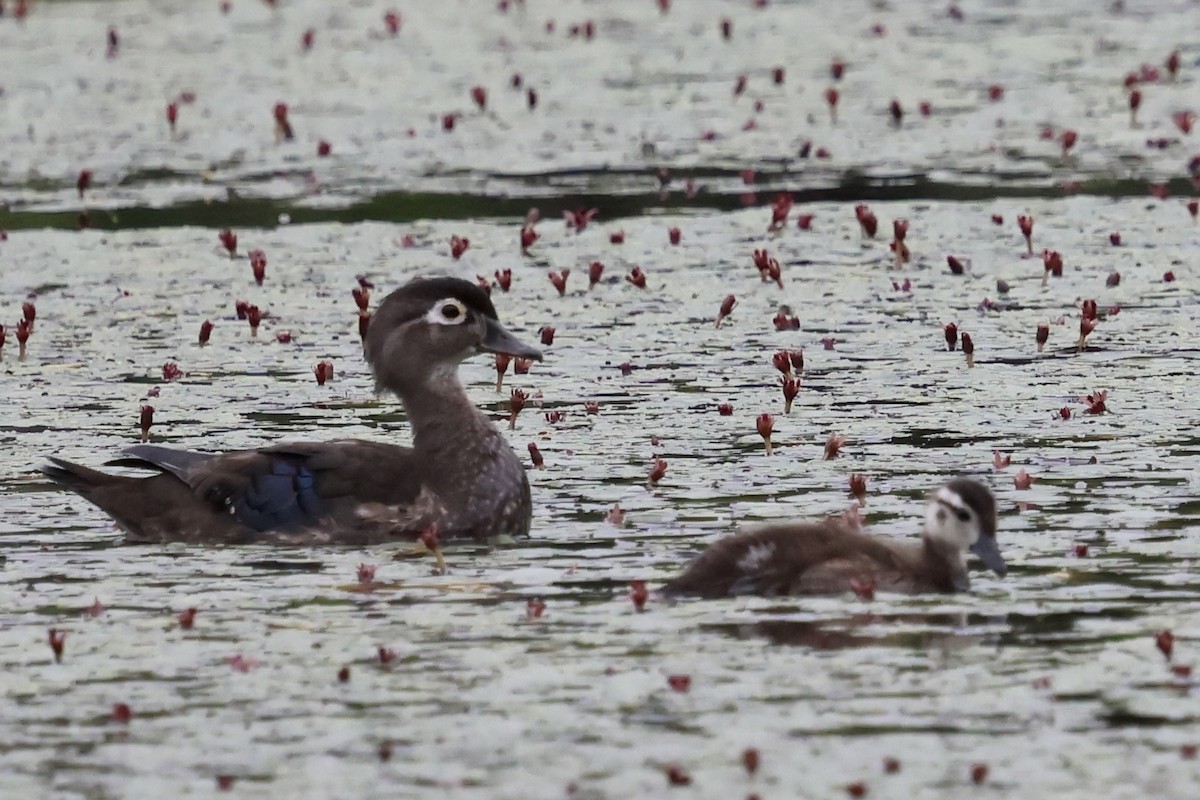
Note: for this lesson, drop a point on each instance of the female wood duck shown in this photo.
(834, 556)
(460, 475)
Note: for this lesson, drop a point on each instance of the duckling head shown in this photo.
(962, 516)
(423, 330)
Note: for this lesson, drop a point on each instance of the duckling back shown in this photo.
(829, 557)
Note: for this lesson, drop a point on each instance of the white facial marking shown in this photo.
(449, 311)
(755, 557)
(949, 519)
(952, 498)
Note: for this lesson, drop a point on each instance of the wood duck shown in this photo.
(835, 556)
(460, 475)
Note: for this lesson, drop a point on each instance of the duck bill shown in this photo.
(988, 552)
(498, 340)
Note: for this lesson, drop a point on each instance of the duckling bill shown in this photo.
(459, 475)
(828, 557)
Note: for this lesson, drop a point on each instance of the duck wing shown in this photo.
(287, 487)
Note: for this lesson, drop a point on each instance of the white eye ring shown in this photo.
(450, 311)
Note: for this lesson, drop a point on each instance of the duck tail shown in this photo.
(76, 477)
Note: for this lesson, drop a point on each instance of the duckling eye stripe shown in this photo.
(950, 500)
(958, 511)
(953, 503)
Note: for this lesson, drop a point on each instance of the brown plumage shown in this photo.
(460, 475)
(834, 556)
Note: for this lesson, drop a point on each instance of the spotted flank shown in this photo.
(757, 556)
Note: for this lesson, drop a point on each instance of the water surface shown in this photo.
(1050, 676)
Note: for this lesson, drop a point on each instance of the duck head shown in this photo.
(423, 330)
(962, 516)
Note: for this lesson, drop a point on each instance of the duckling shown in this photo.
(834, 556)
(459, 476)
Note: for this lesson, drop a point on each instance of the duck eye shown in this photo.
(447, 312)
(962, 514)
